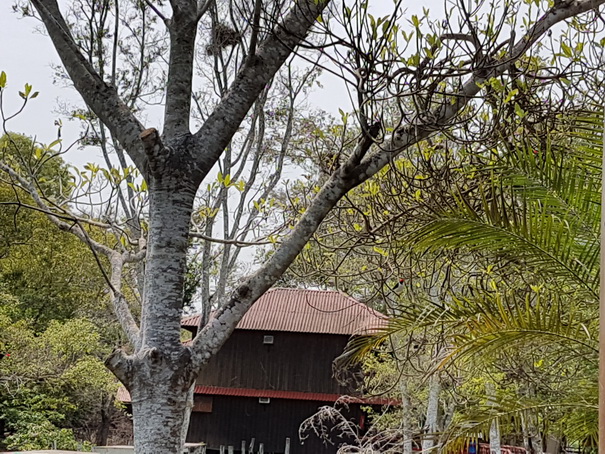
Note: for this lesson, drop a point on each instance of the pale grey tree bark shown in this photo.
(494, 438)
(494, 429)
(406, 416)
(535, 436)
(431, 425)
(525, 432)
(160, 370)
(188, 411)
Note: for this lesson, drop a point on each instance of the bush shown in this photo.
(43, 434)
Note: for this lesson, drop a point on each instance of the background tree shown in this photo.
(68, 282)
(52, 382)
(52, 293)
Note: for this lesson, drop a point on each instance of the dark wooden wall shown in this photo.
(234, 419)
(295, 362)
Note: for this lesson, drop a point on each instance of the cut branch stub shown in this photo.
(120, 365)
(151, 141)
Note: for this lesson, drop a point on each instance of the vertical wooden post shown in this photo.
(261, 448)
(287, 451)
(602, 310)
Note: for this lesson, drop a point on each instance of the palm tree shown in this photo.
(532, 208)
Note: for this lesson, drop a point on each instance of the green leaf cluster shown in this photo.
(52, 275)
(51, 382)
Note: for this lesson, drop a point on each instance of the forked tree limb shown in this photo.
(101, 97)
(271, 54)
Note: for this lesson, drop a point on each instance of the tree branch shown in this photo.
(65, 217)
(203, 6)
(223, 241)
(183, 30)
(436, 120)
(116, 259)
(217, 131)
(121, 366)
(156, 10)
(120, 305)
(99, 96)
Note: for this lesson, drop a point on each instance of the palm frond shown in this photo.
(538, 207)
(490, 323)
(511, 411)
(541, 242)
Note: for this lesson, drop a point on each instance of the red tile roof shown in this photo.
(307, 311)
(124, 396)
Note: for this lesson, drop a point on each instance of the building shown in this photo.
(276, 370)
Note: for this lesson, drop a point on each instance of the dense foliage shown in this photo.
(52, 378)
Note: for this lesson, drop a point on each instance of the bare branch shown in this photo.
(232, 242)
(255, 31)
(73, 228)
(183, 29)
(114, 281)
(100, 97)
(218, 130)
(120, 305)
(65, 217)
(156, 10)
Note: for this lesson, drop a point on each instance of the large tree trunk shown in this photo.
(160, 374)
(159, 415)
(105, 420)
(171, 204)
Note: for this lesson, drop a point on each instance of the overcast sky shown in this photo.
(26, 56)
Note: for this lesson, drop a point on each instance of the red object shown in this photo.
(124, 396)
(399, 286)
(484, 449)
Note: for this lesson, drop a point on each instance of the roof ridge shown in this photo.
(303, 289)
(308, 310)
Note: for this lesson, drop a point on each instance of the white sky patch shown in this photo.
(27, 56)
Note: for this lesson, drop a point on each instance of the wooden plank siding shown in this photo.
(234, 419)
(294, 362)
(309, 329)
